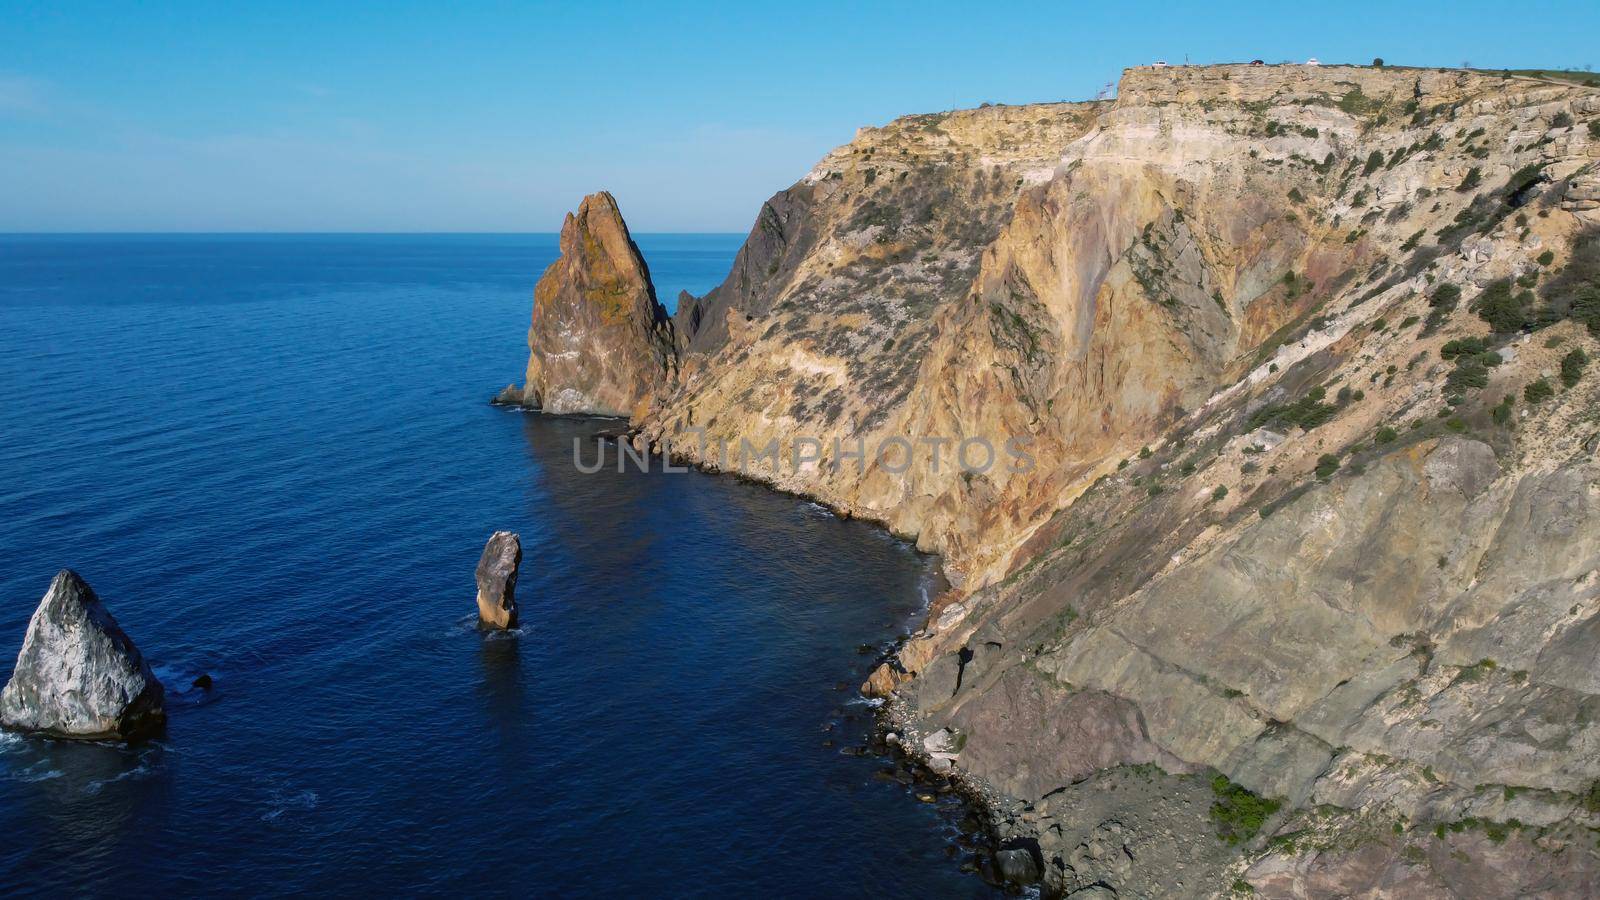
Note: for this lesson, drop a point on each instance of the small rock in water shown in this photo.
(511, 396)
(203, 682)
(497, 581)
(78, 676)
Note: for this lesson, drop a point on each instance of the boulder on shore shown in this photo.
(497, 581)
(78, 675)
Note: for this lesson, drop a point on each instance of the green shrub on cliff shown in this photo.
(1538, 391)
(1504, 311)
(1574, 292)
(1308, 412)
(1327, 464)
(1572, 366)
(1239, 813)
(1469, 346)
(1502, 412)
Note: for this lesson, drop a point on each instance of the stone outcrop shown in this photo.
(78, 675)
(599, 343)
(1313, 528)
(497, 581)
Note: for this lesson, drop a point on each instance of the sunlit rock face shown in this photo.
(599, 343)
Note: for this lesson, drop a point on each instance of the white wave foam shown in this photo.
(137, 772)
(39, 771)
(281, 803)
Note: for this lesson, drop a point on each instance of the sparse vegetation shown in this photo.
(1327, 464)
(1462, 347)
(1473, 178)
(1538, 391)
(1445, 296)
(1239, 813)
(1502, 413)
(1574, 292)
(1505, 311)
(1572, 366)
(1308, 412)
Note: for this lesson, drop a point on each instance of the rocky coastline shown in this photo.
(1302, 598)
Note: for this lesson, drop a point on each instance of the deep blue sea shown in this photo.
(273, 458)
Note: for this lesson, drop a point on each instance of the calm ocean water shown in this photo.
(273, 459)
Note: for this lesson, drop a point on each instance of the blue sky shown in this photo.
(499, 117)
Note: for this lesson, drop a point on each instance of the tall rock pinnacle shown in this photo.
(497, 581)
(599, 342)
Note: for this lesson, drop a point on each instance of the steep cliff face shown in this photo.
(833, 304)
(599, 342)
(1353, 568)
(1301, 588)
(1076, 276)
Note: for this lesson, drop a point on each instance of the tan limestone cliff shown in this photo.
(1313, 507)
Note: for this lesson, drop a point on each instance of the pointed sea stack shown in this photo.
(599, 343)
(78, 675)
(497, 581)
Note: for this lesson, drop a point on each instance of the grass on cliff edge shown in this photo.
(1238, 813)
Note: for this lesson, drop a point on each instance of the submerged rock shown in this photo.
(78, 675)
(497, 581)
(599, 343)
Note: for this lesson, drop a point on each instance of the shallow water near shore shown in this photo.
(274, 459)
